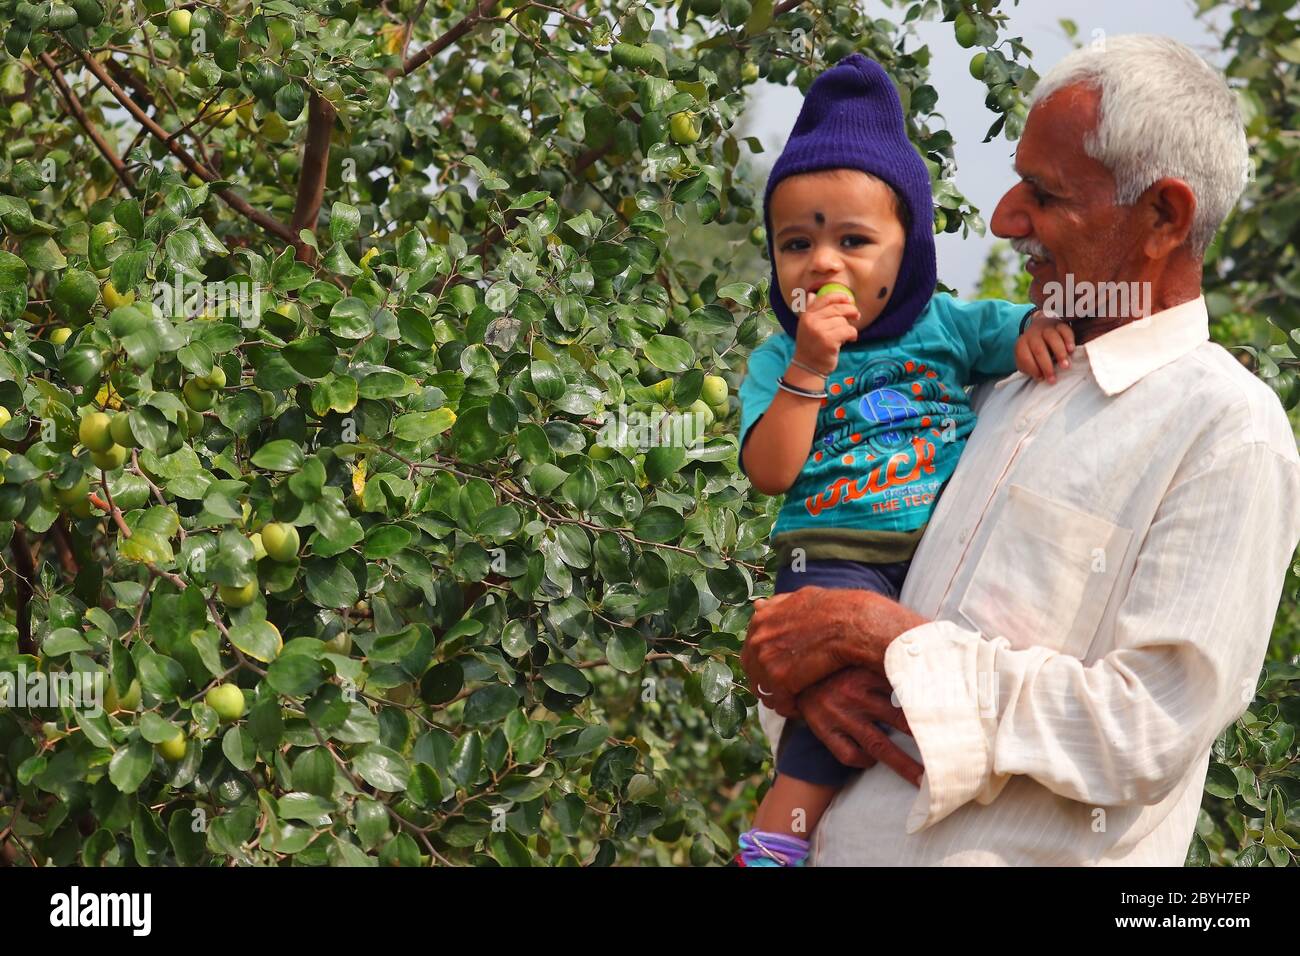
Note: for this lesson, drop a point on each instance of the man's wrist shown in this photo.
(869, 628)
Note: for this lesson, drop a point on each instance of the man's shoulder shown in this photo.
(1238, 407)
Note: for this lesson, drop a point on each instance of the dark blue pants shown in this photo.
(800, 754)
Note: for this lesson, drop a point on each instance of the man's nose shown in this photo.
(1010, 220)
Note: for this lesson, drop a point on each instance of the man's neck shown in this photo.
(1164, 295)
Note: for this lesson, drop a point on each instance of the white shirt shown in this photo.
(1102, 573)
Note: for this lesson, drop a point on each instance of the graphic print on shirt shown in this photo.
(881, 423)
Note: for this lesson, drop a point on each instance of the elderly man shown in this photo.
(1090, 605)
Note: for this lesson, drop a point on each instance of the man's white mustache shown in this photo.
(1031, 247)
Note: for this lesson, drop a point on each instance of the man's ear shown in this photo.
(1172, 205)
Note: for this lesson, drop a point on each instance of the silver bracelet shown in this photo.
(795, 390)
(808, 368)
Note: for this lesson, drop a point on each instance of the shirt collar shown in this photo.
(1124, 355)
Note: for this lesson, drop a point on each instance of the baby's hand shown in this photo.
(1045, 338)
(824, 329)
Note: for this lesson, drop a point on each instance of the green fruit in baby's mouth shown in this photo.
(830, 287)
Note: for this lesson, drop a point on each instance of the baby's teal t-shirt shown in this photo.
(890, 432)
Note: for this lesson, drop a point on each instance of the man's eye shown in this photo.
(1042, 198)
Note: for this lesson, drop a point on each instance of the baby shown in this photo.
(857, 412)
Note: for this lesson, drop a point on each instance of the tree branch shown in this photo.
(231, 199)
(75, 108)
(23, 593)
(417, 60)
(315, 164)
(63, 545)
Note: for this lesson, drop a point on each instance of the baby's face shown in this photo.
(840, 227)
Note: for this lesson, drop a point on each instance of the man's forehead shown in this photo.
(1053, 139)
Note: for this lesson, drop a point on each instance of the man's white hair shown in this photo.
(1164, 112)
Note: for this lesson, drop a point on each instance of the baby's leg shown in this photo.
(793, 806)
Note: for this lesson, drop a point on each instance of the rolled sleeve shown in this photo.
(943, 678)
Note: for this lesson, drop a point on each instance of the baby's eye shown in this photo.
(798, 245)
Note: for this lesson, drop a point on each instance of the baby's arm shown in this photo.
(779, 442)
(1045, 338)
(777, 446)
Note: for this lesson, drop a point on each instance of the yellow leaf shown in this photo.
(359, 479)
(108, 397)
(394, 35)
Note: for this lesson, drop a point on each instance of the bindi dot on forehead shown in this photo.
(820, 219)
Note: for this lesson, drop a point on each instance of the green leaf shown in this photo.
(41, 253)
(279, 455)
(659, 524)
(162, 676)
(344, 221)
(295, 675)
(417, 426)
(391, 648)
(382, 768)
(385, 541)
(670, 353)
(352, 318)
(489, 704)
(311, 357)
(259, 640)
(130, 765)
(330, 583)
(313, 772)
(13, 286)
(474, 437)
(566, 679)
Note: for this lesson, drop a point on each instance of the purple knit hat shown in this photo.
(852, 118)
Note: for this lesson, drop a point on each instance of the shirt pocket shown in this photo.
(1045, 575)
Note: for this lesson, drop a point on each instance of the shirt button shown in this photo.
(913, 650)
(905, 638)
